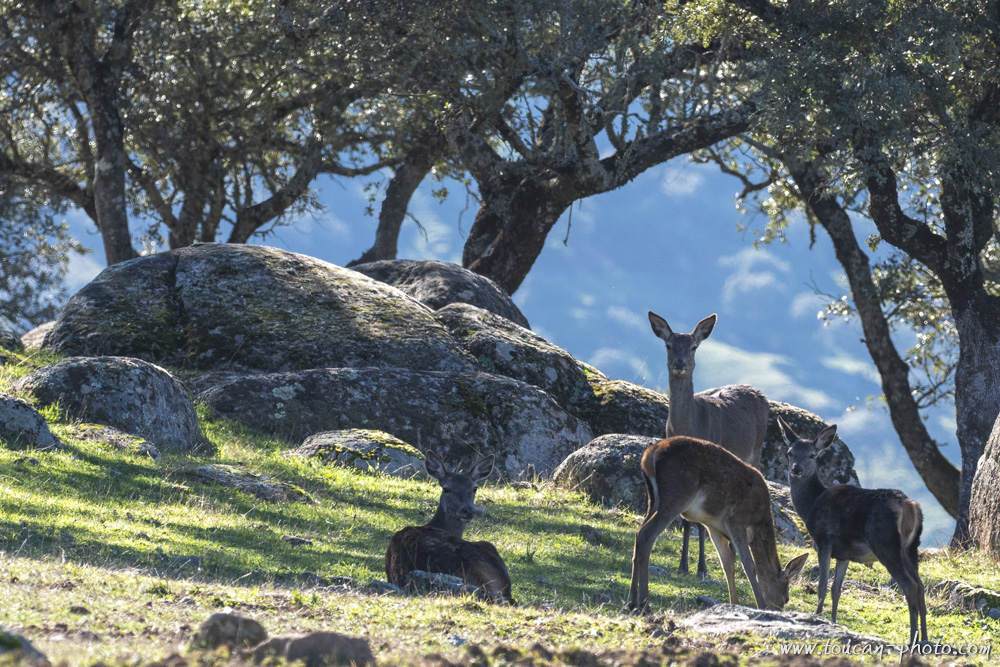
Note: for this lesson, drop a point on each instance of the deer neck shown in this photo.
(765, 556)
(805, 491)
(680, 416)
(442, 521)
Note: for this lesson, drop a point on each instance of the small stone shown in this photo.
(225, 628)
(657, 571)
(89, 636)
(78, 609)
(318, 649)
(455, 640)
(600, 598)
(590, 534)
(705, 601)
(994, 613)
(384, 588)
(295, 541)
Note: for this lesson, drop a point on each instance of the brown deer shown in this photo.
(438, 546)
(733, 417)
(705, 483)
(849, 523)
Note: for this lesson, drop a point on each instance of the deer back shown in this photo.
(733, 417)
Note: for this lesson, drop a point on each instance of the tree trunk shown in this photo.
(510, 229)
(938, 473)
(984, 511)
(408, 177)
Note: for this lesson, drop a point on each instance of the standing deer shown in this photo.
(705, 483)
(438, 546)
(733, 417)
(854, 524)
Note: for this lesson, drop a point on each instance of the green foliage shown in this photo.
(34, 254)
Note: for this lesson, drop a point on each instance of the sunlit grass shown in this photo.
(111, 531)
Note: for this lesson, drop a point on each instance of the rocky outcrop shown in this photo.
(836, 463)
(503, 348)
(456, 414)
(438, 284)
(129, 394)
(623, 407)
(21, 427)
(365, 450)
(606, 470)
(265, 488)
(116, 439)
(229, 306)
(729, 620)
(984, 506)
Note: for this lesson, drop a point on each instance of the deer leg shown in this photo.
(911, 559)
(645, 538)
(838, 581)
(738, 535)
(702, 565)
(824, 575)
(725, 551)
(682, 567)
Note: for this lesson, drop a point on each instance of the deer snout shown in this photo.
(796, 470)
(466, 512)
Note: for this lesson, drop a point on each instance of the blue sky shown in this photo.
(667, 242)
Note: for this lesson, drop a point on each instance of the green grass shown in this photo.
(88, 525)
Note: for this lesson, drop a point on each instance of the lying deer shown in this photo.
(849, 523)
(733, 417)
(438, 546)
(705, 483)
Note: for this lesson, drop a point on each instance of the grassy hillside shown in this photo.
(89, 526)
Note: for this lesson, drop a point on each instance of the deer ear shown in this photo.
(825, 437)
(794, 566)
(787, 433)
(434, 464)
(660, 326)
(482, 468)
(704, 328)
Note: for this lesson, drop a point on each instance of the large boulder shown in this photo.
(129, 394)
(456, 414)
(984, 507)
(437, 284)
(503, 348)
(623, 407)
(21, 427)
(606, 470)
(835, 463)
(364, 449)
(234, 306)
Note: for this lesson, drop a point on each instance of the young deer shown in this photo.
(438, 546)
(853, 524)
(733, 417)
(705, 483)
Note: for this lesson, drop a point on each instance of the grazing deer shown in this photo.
(705, 483)
(854, 524)
(733, 417)
(438, 546)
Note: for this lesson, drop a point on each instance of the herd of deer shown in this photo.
(705, 471)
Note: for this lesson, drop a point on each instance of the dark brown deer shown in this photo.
(733, 417)
(849, 523)
(705, 483)
(438, 546)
